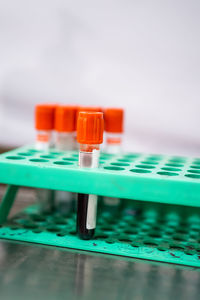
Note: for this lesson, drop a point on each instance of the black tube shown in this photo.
(82, 210)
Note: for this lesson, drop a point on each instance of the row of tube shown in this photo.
(71, 128)
(56, 127)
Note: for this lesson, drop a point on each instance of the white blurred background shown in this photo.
(138, 54)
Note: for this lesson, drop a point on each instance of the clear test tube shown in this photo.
(64, 141)
(114, 118)
(89, 135)
(44, 125)
(114, 131)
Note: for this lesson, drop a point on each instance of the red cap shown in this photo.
(114, 120)
(90, 128)
(65, 118)
(44, 116)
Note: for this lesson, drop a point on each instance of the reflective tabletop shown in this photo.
(30, 271)
(36, 272)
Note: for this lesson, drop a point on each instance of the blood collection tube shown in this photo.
(65, 127)
(114, 129)
(90, 127)
(44, 124)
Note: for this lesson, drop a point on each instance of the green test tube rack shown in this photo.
(165, 188)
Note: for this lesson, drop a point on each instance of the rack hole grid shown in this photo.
(149, 234)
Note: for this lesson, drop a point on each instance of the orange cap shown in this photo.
(114, 120)
(65, 118)
(76, 116)
(87, 109)
(90, 128)
(90, 108)
(44, 116)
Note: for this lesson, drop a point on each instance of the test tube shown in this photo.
(44, 125)
(90, 127)
(114, 129)
(64, 141)
(65, 127)
(114, 119)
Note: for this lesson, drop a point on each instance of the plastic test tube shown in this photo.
(114, 129)
(64, 140)
(65, 127)
(89, 135)
(44, 124)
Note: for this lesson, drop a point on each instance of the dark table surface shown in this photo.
(29, 271)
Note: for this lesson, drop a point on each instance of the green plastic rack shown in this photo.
(165, 191)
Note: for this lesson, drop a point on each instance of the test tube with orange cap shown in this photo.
(64, 140)
(114, 118)
(44, 125)
(90, 128)
(114, 130)
(65, 127)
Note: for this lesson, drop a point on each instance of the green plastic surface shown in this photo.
(165, 235)
(152, 235)
(157, 178)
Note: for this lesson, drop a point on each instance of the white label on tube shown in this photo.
(91, 212)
